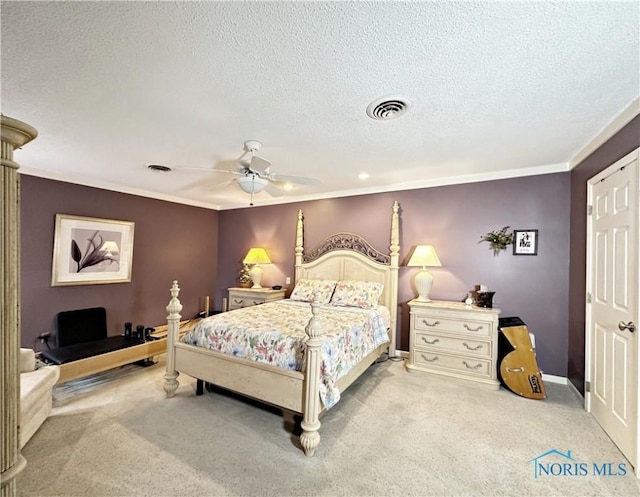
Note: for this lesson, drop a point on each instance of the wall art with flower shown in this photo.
(90, 251)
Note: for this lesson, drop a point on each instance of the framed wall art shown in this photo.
(525, 242)
(91, 251)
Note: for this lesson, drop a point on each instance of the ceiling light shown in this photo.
(252, 183)
(363, 175)
(386, 108)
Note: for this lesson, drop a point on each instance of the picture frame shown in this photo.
(91, 251)
(525, 242)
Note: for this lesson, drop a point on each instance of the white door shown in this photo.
(612, 315)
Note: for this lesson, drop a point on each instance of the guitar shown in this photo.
(517, 366)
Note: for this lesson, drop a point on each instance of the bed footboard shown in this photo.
(308, 397)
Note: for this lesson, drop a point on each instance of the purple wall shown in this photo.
(188, 255)
(453, 218)
(622, 143)
(546, 291)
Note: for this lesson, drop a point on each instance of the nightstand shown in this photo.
(455, 340)
(245, 297)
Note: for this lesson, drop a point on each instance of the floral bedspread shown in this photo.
(274, 334)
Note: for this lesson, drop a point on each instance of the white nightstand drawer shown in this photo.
(236, 303)
(467, 365)
(467, 346)
(467, 327)
(247, 297)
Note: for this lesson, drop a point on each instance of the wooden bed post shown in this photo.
(394, 252)
(299, 250)
(173, 327)
(310, 437)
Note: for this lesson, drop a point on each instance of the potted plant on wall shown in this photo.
(244, 276)
(498, 239)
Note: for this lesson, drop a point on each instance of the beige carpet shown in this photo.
(393, 433)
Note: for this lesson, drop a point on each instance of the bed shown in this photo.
(345, 258)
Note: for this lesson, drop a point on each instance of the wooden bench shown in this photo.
(103, 362)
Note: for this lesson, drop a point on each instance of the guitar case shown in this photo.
(517, 366)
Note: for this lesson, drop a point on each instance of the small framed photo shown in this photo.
(91, 251)
(525, 242)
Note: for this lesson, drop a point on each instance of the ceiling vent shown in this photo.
(159, 168)
(387, 108)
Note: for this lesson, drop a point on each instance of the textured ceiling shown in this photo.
(496, 89)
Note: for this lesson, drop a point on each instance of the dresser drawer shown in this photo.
(465, 346)
(466, 326)
(467, 365)
(237, 303)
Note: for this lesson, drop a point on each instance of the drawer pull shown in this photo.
(238, 301)
(429, 360)
(472, 348)
(256, 302)
(472, 367)
(428, 342)
(473, 329)
(435, 323)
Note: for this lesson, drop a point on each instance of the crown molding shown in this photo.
(618, 122)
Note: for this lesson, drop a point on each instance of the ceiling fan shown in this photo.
(255, 175)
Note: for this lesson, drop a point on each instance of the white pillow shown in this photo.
(319, 291)
(364, 294)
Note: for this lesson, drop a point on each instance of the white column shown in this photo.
(14, 135)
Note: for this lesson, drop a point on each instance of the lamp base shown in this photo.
(424, 282)
(421, 299)
(256, 276)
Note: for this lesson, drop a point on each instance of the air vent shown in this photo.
(387, 108)
(159, 168)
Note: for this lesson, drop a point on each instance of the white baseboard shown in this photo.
(402, 353)
(551, 378)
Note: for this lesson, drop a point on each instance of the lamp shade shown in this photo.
(424, 256)
(256, 256)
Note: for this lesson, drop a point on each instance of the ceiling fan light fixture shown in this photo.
(252, 183)
(388, 107)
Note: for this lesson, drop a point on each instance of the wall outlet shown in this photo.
(288, 280)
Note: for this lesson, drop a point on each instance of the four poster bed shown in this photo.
(311, 346)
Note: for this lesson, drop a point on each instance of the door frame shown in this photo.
(634, 155)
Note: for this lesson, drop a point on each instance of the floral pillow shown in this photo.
(319, 291)
(363, 294)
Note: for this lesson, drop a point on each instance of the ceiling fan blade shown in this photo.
(273, 190)
(299, 180)
(259, 163)
(227, 165)
(219, 186)
(205, 170)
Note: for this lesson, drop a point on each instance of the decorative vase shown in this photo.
(245, 284)
(485, 299)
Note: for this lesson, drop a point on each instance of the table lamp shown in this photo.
(256, 256)
(424, 256)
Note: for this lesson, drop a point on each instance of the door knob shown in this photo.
(628, 326)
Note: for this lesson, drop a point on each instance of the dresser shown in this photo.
(455, 340)
(245, 297)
